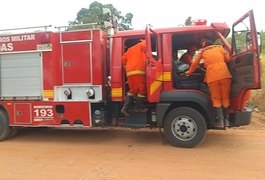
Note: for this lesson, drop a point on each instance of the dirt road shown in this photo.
(129, 154)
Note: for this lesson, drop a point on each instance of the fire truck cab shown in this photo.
(62, 79)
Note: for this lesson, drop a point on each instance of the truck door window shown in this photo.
(242, 37)
(130, 42)
(154, 46)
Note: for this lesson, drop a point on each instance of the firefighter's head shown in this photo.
(192, 49)
(206, 42)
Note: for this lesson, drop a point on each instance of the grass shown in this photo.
(263, 70)
(258, 96)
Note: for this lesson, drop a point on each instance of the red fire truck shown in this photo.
(73, 78)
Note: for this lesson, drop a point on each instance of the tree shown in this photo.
(94, 16)
(188, 21)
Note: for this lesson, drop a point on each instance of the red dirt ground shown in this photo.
(130, 154)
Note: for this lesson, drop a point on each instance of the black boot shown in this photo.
(219, 117)
(226, 116)
(127, 103)
(138, 104)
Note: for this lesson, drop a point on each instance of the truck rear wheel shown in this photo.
(5, 129)
(184, 127)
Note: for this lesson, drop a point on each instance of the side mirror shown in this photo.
(248, 40)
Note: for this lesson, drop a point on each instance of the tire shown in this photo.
(184, 127)
(13, 132)
(5, 129)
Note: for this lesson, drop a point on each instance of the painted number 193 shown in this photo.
(43, 112)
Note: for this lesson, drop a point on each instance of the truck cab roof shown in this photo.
(197, 32)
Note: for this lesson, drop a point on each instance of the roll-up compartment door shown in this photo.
(20, 75)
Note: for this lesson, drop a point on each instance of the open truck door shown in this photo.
(154, 75)
(245, 67)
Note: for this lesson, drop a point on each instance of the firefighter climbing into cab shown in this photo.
(217, 77)
(134, 62)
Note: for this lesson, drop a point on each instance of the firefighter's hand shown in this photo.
(186, 73)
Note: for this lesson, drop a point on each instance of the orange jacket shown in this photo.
(215, 58)
(134, 59)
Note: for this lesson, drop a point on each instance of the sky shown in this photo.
(158, 13)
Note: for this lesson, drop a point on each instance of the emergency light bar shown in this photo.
(199, 22)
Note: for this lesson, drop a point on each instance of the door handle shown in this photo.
(66, 63)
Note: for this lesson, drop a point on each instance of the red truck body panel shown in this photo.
(76, 59)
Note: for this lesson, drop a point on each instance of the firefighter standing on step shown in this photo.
(134, 61)
(217, 77)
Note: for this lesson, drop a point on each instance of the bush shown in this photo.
(258, 96)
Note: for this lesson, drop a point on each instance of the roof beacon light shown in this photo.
(199, 22)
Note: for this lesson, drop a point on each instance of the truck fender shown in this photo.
(171, 99)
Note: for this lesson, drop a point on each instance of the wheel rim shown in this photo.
(184, 128)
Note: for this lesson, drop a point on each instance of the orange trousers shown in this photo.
(220, 92)
(137, 85)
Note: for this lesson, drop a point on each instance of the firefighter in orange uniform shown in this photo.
(134, 61)
(217, 77)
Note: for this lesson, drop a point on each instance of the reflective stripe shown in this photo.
(139, 95)
(116, 92)
(135, 72)
(156, 84)
(48, 93)
(166, 76)
(129, 94)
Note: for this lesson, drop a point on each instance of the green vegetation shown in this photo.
(257, 96)
(263, 43)
(94, 14)
(263, 70)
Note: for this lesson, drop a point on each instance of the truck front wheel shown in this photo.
(5, 129)
(184, 127)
